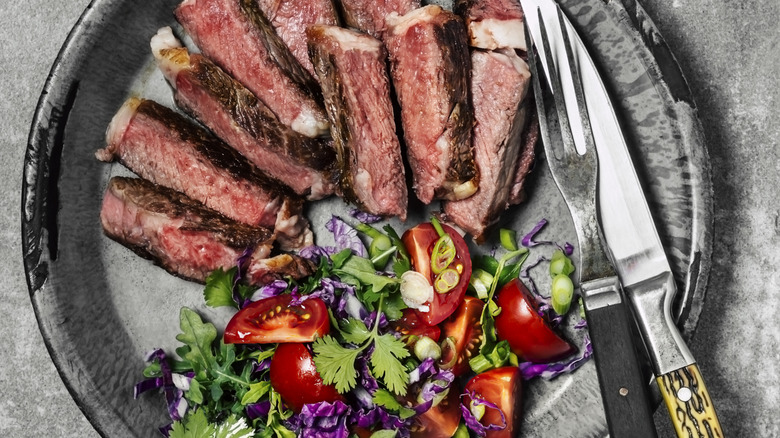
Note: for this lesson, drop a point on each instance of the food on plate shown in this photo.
(370, 16)
(431, 71)
(463, 334)
(233, 113)
(186, 238)
(237, 36)
(290, 19)
(501, 112)
(294, 376)
(166, 148)
(528, 333)
(275, 320)
(493, 24)
(493, 402)
(352, 70)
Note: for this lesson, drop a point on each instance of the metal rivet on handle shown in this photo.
(623, 391)
(684, 394)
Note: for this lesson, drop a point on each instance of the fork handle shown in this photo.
(624, 387)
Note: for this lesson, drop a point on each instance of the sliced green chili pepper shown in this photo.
(446, 280)
(443, 254)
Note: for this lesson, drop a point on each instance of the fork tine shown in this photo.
(555, 82)
(579, 94)
(536, 74)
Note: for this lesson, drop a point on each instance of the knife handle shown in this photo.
(624, 387)
(689, 403)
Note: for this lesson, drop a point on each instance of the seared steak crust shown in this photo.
(237, 36)
(353, 72)
(431, 72)
(184, 237)
(231, 111)
(501, 114)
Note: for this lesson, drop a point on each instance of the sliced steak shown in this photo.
(290, 18)
(370, 15)
(234, 114)
(187, 239)
(431, 71)
(352, 69)
(166, 148)
(525, 163)
(237, 36)
(493, 24)
(501, 113)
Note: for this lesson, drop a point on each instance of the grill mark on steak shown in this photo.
(352, 69)
(501, 111)
(237, 36)
(230, 110)
(430, 66)
(166, 148)
(493, 24)
(184, 237)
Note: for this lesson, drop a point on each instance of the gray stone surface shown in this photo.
(728, 51)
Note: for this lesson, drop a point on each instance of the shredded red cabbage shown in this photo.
(528, 239)
(173, 385)
(269, 290)
(345, 236)
(366, 218)
(472, 422)
(549, 371)
(322, 420)
(258, 410)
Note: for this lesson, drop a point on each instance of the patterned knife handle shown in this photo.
(689, 403)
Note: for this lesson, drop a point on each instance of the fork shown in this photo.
(624, 386)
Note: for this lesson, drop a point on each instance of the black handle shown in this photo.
(624, 387)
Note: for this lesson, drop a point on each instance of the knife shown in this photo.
(637, 253)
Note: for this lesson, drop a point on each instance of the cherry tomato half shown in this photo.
(411, 325)
(440, 421)
(465, 329)
(294, 376)
(527, 332)
(504, 388)
(272, 320)
(419, 242)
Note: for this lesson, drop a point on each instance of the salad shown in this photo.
(393, 336)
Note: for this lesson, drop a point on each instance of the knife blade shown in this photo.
(636, 249)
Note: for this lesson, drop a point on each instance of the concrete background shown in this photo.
(727, 49)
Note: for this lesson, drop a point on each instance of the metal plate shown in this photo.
(100, 308)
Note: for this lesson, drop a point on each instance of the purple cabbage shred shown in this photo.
(322, 420)
(528, 240)
(366, 218)
(472, 422)
(548, 371)
(269, 290)
(173, 385)
(345, 236)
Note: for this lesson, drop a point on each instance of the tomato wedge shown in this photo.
(503, 387)
(273, 320)
(294, 376)
(528, 334)
(465, 329)
(411, 325)
(440, 421)
(419, 242)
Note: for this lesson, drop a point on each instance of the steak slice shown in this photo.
(501, 110)
(234, 114)
(525, 163)
(290, 18)
(166, 148)
(431, 71)
(237, 36)
(370, 15)
(187, 239)
(493, 24)
(352, 69)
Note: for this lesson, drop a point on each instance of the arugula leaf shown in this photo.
(384, 398)
(256, 392)
(336, 363)
(385, 363)
(361, 269)
(198, 337)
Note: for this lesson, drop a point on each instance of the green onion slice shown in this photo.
(446, 280)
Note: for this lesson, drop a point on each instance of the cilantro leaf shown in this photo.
(361, 269)
(336, 363)
(386, 365)
(219, 288)
(193, 425)
(355, 331)
(384, 398)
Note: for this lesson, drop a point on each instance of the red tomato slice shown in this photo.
(419, 242)
(440, 421)
(411, 325)
(465, 329)
(504, 388)
(294, 376)
(527, 332)
(273, 320)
